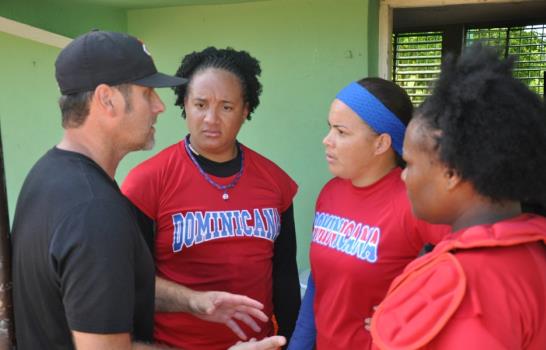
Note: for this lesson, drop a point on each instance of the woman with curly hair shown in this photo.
(474, 152)
(364, 232)
(223, 215)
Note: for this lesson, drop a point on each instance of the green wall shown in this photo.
(62, 17)
(372, 37)
(308, 49)
(29, 115)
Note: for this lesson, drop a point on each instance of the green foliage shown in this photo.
(527, 43)
(417, 56)
(417, 59)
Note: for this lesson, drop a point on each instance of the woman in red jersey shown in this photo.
(364, 232)
(223, 215)
(474, 152)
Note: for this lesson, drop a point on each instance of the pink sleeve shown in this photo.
(276, 176)
(289, 188)
(142, 187)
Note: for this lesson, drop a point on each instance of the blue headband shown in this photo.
(374, 113)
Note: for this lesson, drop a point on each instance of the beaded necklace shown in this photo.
(223, 188)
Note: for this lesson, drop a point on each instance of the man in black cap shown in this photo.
(83, 276)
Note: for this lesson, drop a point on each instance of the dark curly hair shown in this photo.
(240, 63)
(393, 97)
(492, 127)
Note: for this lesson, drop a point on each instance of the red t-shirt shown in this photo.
(363, 237)
(206, 243)
(504, 305)
(482, 287)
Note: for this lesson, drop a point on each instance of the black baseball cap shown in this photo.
(101, 57)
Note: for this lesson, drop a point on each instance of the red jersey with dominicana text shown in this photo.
(363, 237)
(207, 243)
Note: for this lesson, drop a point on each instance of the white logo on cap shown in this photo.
(146, 50)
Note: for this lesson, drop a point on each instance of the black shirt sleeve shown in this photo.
(92, 252)
(286, 286)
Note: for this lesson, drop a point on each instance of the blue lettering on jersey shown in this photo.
(238, 226)
(346, 236)
(245, 218)
(198, 227)
(214, 233)
(202, 225)
(259, 229)
(226, 223)
(177, 233)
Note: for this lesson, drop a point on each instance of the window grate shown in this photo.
(416, 62)
(527, 43)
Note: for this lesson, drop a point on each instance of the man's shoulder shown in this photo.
(93, 223)
(61, 171)
(60, 181)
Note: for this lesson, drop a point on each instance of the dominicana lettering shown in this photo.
(347, 236)
(196, 227)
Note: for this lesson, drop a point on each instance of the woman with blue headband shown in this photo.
(364, 231)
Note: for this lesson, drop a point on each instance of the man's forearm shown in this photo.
(121, 341)
(172, 297)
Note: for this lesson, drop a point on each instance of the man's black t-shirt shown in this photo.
(79, 260)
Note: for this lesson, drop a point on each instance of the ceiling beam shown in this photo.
(32, 33)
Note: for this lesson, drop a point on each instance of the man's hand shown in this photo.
(220, 307)
(225, 308)
(270, 343)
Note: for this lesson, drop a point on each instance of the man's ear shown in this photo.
(103, 98)
(382, 143)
